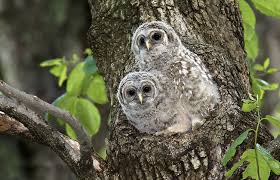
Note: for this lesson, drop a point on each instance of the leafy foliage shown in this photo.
(259, 161)
(84, 88)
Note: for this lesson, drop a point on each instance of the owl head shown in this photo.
(154, 37)
(138, 91)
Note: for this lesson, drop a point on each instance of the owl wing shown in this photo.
(192, 82)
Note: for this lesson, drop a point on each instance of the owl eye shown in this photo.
(141, 41)
(131, 92)
(156, 36)
(147, 89)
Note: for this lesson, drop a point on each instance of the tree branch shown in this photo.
(12, 127)
(36, 129)
(81, 158)
(40, 106)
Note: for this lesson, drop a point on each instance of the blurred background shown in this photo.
(32, 31)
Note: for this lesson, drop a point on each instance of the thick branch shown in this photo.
(83, 163)
(40, 131)
(12, 127)
(40, 106)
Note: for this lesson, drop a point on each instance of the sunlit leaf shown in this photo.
(273, 120)
(52, 62)
(249, 23)
(272, 163)
(65, 102)
(272, 70)
(97, 90)
(88, 52)
(249, 153)
(271, 87)
(274, 166)
(88, 115)
(70, 132)
(268, 7)
(75, 80)
(234, 168)
(248, 106)
(232, 149)
(266, 63)
(251, 169)
(266, 86)
(258, 67)
(251, 42)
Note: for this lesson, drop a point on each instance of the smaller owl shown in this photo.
(149, 107)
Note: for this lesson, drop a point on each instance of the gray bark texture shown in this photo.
(213, 30)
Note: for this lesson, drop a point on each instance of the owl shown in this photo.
(157, 47)
(149, 107)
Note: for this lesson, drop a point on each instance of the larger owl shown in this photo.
(157, 47)
(149, 107)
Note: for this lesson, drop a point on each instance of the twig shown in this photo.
(40, 106)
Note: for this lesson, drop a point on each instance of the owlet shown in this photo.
(149, 107)
(157, 48)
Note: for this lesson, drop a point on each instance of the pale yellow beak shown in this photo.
(140, 96)
(148, 45)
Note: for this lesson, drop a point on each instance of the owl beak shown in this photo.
(140, 97)
(148, 45)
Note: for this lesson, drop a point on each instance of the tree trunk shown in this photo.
(211, 29)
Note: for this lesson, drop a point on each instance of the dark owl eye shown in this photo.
(156, 36)
(141, 41)
(147, 89)
(131, 92)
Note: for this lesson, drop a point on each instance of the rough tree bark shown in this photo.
(213, 30)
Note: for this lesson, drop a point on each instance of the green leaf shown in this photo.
(273, 164)
(265, 85)
(90, 66)
(273, 120)
(249, 23)
(102, 153)
(63, 76)
(268, 7)
(258, 67)
(251, 169)
(70, 132)
(272, 70)
(251, 42)
(271, 87)
(88, 115)
(88, 52)
(248, 106)
(249, 153)
(65, 102)
(60, 72)
(75, 80)
(266, 63)
(97, 90)
(247, 13)
(257, 89)
(52, 62)
(234, 167)
(232, 149)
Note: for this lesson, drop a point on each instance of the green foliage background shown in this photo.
(260, 163)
